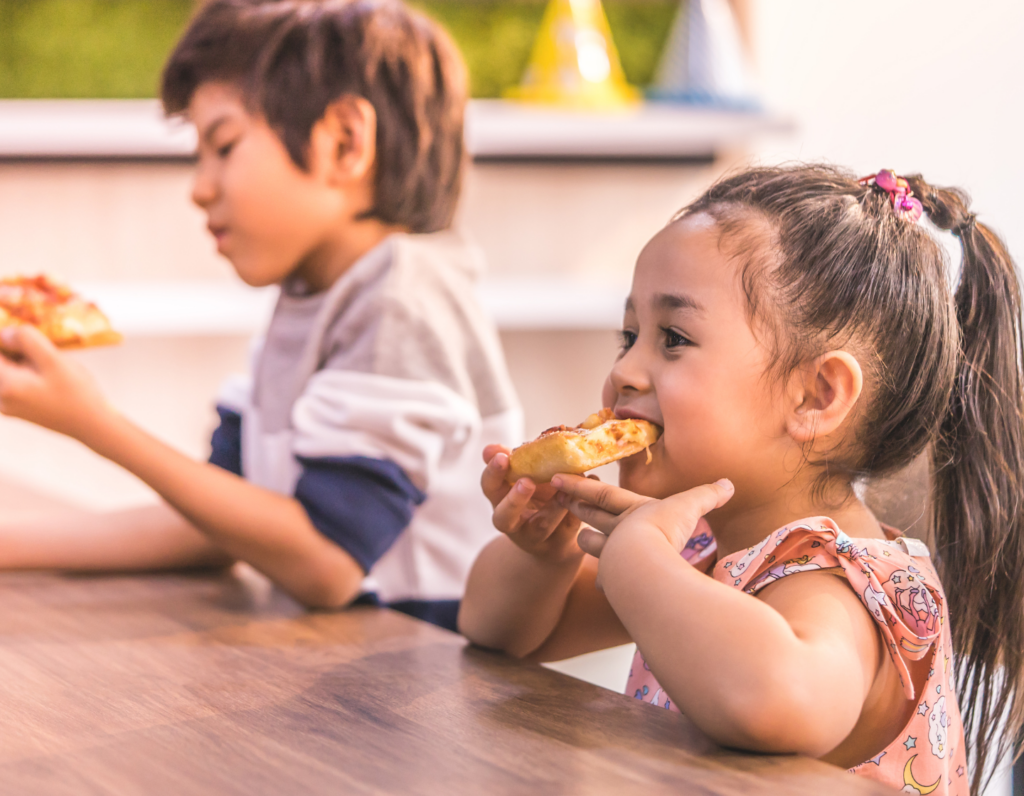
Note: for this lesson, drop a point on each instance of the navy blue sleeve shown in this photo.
(226, 443)
(360, 504)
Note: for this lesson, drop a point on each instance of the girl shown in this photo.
(796, 332)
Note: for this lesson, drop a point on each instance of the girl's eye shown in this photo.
(225, 150)
(674, 339)
(626, 339)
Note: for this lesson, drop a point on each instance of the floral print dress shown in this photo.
(896, 581)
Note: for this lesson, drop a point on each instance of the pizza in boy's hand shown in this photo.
(59, 313)
(598, 440)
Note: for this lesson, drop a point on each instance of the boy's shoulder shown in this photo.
(414, 314)
(432, 272)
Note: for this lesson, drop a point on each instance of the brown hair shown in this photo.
(292, 58)
(944, 365)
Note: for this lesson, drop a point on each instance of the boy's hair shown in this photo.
(943, 363)
(291, 58)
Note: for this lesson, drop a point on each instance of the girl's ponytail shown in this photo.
(978, 470)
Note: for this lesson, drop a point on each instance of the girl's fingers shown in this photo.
(591, 542)
(492, 450)
(543, 523)
(508, 513)
(592, 515)
(492, 481)
(702, 500)
(609, 499)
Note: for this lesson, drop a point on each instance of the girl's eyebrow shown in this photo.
(672, 301)
(678, 301)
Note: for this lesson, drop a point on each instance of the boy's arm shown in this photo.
(146, 538)
(272, 532)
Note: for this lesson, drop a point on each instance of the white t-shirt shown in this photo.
(371, 402)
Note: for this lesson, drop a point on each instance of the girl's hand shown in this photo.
(527, 513)
(38, 384)
(607, 508)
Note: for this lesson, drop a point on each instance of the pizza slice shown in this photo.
(600, 439)
(58, 312)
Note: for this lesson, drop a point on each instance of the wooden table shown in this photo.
(193, 684)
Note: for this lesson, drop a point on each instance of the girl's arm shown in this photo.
(270, 531)
(788, 672)
(532, 591)
(146, 538)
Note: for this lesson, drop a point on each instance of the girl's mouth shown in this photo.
(627, 413)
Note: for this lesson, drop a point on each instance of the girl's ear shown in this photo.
(343, 143)
(823, 392)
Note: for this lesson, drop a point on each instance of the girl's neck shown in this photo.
(746, 525)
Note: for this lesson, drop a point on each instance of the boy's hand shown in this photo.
(608, 507)
(38, 384)
(527, 513)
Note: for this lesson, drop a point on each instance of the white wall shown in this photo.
(915, 85)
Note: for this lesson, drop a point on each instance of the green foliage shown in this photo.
(116, 48)
(86, 48)
(495, 38)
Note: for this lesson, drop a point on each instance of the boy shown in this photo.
(330, 156)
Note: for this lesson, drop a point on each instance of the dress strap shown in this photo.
(898, 588)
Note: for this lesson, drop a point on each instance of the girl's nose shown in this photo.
(629, 374)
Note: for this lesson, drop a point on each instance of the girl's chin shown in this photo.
(635, 472)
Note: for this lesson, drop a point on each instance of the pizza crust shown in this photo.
(599, 440)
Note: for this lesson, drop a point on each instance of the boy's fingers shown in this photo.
(30, 343)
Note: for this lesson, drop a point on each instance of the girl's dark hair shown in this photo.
(292, 58)
(943, 369)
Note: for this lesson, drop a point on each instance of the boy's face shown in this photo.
(691, 363)
(268, 216)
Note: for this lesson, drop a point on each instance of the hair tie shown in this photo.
(904, 203)
(965, 226)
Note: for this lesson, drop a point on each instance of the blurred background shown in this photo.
(559, 199)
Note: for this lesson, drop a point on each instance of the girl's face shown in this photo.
(267, 215)
(691, 363)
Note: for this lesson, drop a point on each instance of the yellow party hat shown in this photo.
(574, 61)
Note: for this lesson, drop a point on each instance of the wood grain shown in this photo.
(213, 683)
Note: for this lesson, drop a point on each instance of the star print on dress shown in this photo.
(910, 743)
(877, 759)
(959, 771)
(922, 708)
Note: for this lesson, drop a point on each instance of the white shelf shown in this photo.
(180, 309)
(495, 130)
(91, 129)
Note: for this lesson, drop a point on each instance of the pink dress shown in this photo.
(896, 581)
